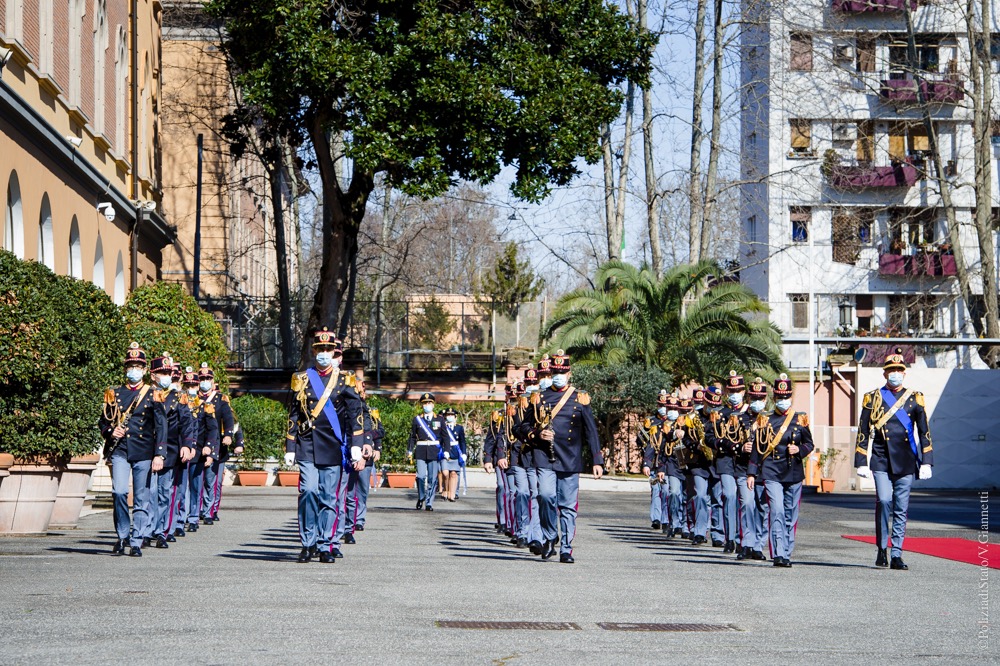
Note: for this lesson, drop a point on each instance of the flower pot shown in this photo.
(288, 478)
(6, 462)
(73, 488)
(254, 477)
(401, 479)
(826, 485)
(27, 497)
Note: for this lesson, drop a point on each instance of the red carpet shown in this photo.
(959, 550)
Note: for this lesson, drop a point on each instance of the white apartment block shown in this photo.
(835, 157)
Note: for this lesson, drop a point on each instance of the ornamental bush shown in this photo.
(397, 417)
(61, 344)
(264, 423)
(162, 317)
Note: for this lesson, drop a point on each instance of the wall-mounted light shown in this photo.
(75, 141)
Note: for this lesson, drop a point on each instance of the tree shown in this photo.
(688, 324)
(510, 283)
(433, 325)
(425, 92)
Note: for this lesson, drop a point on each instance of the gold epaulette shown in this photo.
(803, 419)
(522, 401)
(159, 396)
(536, 398)
(374, 413)
(646, 423)
(866, 402)
(299, 381)
(919, 397)
(225, 398)
(761, 420)
(583, 397)
(497, 416)
(350, 379)
(109, 396)
(653, 429)
(183, 399)
(209, 408)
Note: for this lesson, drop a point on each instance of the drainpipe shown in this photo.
(133, 76)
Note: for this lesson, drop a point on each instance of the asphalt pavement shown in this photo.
(233, 594)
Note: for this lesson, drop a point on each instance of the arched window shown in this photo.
(46, 250)
(121, 88)
(100, 46)
(77, 9)
(119, 295)
(75, 259)
(98, 278)
(13, 226)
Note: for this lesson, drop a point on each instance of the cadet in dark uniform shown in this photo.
(499, 440)
(189, 493)
(455, 434)
(428, 447)
(324, 430)
(134, 426)
(562, 420)
(753, 509)
(360, 480)
(212, 483)
(651, 434)
(527, 525)
(732, 433)
(782, 440)
(699, 462)
(896, 420)
(671, 447)
(713, 410)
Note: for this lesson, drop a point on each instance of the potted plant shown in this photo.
(828, 460)
(288, 476)
(264, 422)
(399, 476)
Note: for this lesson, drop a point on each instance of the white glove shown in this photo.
(289, 459)
(447, 456)
(463, 457)
(865, 472)
(355, 453)
(925, 472)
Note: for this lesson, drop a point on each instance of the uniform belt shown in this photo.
(426, 442)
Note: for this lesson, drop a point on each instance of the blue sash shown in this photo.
(890, 399)
(328, 409)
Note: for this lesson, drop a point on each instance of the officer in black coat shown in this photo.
(134, 427)
(782, 441)
(895, 420)
(732, 433)
(359, 481)
(212, 483)
(499, 436)
(428, 446)
(206, 426)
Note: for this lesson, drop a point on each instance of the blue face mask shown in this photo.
(205, 386)
(672, 415)
(452, 420)
(735, 399)
(544, 383)
(783, 405)
(560, 381)
(135, 375)
(429, 408)
(757, 405)
(662, 411)
(531, 388)
(895, 379)
(324, 359)
(163, 381)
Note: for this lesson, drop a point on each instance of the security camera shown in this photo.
(75, 140)
(4, 57)
(108, 210)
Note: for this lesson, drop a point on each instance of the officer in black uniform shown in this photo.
(732, 433)
(428, 446)
(212, 484)
(325, 429)
(560, 424)
(782, 440)
(356, 504)
(895, 419)
(651, 434)
(495, 444)
(713, 412)
(189, 493)
(134, 426)
(699, 463)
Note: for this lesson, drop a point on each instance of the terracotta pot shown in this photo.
(6, 461)
(27, 497)
(401, 479)
(254, 477)
(288, 478)
(73, 487)
(826, 485)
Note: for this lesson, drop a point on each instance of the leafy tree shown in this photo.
(427, 92)
(510, 283)
(433, 325)
(688, 323)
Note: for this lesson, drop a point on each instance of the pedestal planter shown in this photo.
(826, 485)
(288, 478)
(73, 488)
(27, 498)
(252, 477)
(401, 479)
(6, 461)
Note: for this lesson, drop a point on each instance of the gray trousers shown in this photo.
(558, 502)
(427, 480)
(783, 499)
(121, 471)
(892, 500)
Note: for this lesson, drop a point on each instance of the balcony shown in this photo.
(902, 91)
(865, 175)
(930, 264)
(872, 6)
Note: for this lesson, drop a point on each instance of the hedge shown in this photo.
(61, 344)
(264, 423)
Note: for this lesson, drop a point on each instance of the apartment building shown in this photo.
(840, 198)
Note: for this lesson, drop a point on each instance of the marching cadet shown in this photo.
(324, 418)
(895, 420)
(753, 508)
(782, 440)
(492, 460)
(713, 406)
(670, 465)
(356, 506)
(179, 446)
(426, 445)
(455, 434)
(134, 427)
(699, 463)
(651, 432)
(544, 374)
(212, 483)
(206, 428)
(562, 420)
(732, 432)
(512, 452)
(525, 523)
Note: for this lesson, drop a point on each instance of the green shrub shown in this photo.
(162, 317)
(61, 344)
(264, 423)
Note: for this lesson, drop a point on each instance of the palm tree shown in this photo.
(687, 323)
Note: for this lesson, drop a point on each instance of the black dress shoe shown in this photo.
(428, 508)
(192, 527)
(420, 505)
(215, 517)
(349, 538)
(336, 553)
(778, 562)
(207, 521)
(496, 527)
(521, 543)
(698, 540)
(898, 564)
(135, 551)
(656, 525)
(716, 543)
(566, 558)
(548, 549)
(327, 558)
(758, 555)
(729, 547)
(171, 538)
(119, 546)
(742, 553)
(161, 542)
(677, 532)
(666, 530)
(685, 534)
(359, 528)
(179, 532)
(882, 559)
(535, 547)
(146, 541)
(305, 556)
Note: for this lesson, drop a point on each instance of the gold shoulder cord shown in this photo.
(763, 437)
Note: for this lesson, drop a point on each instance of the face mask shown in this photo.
(544, 383)
(324, 359)
(135, 375)
(452, 420)
(757, 405)
(428, 408)
(783, 405)
(672, 415)
(662, 411)
(560, 381)
(174, 386)
(895, 379)
(734, 398)
(206, 385)
(192, 391)
(164, 381)
(530, 389)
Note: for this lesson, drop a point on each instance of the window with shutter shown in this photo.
(801, 135)
(802, 52)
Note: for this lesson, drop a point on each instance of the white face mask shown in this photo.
(735, 398)
(662, 411)
(429, 408)
(135, 375)
(174, 386)
(163, 381)
(531, 388)
(895, 379)
(192, 391)
(206, 385)
(757, 405)
(560, 381)
(452, 420)
(324, 359)
(672, 415)
(544, 383)
(783, 405)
